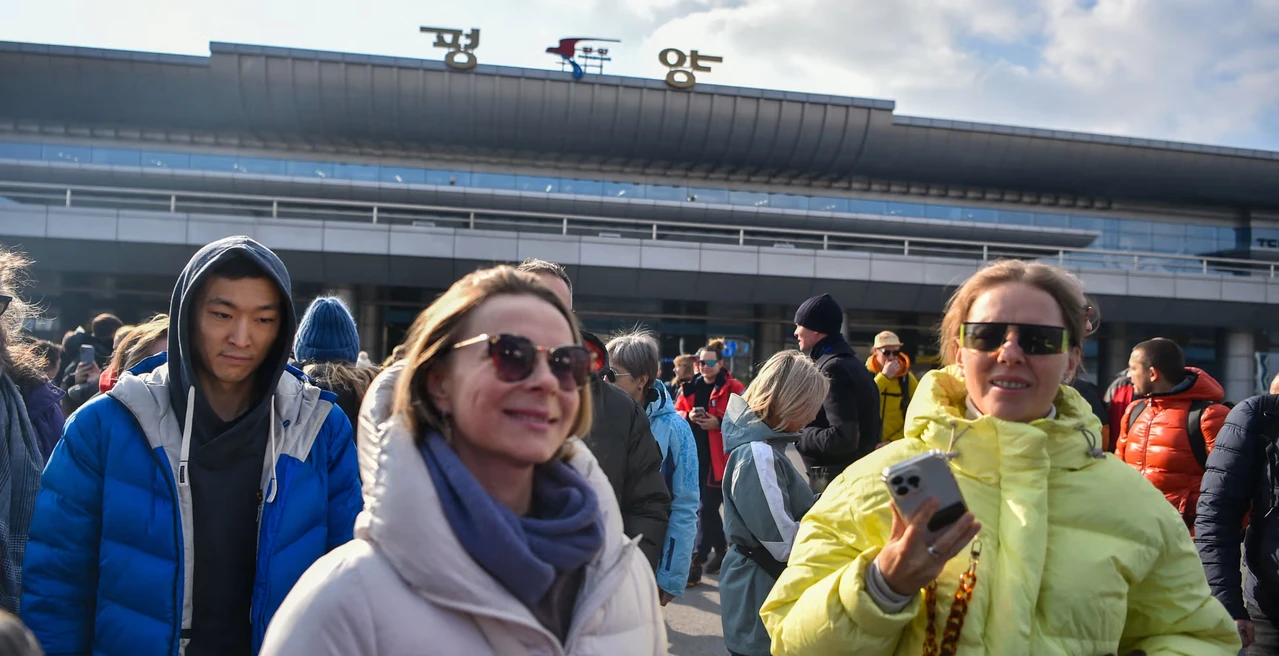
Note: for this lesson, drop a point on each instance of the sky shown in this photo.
(1201, 71)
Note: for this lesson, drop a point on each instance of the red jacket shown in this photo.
(716, 408)
(1158, 445)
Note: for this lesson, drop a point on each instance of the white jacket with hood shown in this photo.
(406, 586)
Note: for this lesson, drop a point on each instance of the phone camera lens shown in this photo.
(897, 480)
(913, 480)
(903, 491)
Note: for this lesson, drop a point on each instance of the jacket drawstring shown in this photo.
(183, 479)
(951, 453)
(275, 453)
(1093, 450)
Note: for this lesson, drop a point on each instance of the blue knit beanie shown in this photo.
(327, 333)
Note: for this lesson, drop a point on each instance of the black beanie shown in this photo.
(820, 314)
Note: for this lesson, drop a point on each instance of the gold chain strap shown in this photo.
(958, 609)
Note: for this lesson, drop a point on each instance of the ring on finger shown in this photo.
(932, 551)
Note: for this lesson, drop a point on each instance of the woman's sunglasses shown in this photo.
(708, 363)
(1032, 339)
(515, 357)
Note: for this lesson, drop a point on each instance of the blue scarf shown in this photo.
(524, 554)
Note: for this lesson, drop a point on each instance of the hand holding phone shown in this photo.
(86, 353)
(931, 523)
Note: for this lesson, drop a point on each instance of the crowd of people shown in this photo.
(231, 479)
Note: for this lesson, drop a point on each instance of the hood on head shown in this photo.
(663, 404)
(741, 425)
(181, 349)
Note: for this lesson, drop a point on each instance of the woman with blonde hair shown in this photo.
(137, 344)
(764, 495)
(487, 528)
(1056, 567)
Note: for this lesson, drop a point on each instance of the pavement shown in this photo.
(692, 622)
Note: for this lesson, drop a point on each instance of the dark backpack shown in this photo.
(1194, 425)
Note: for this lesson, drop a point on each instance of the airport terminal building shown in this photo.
(702, 211)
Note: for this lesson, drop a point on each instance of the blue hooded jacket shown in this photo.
(109, 563)
(679, 469)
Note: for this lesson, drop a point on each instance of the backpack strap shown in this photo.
(1136, 410)
(1194, 429)
(905, 400)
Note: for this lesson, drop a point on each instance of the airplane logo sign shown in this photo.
(590, 56)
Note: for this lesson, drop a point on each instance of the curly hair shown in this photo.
(19, 359)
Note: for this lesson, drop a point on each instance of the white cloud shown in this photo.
(1173, 69)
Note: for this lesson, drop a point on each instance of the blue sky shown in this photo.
(1185, 70)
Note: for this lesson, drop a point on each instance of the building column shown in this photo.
(371, 329)
(1240, 382)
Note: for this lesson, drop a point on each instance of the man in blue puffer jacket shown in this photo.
(180, 508)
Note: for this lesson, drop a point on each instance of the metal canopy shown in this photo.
(358, 100)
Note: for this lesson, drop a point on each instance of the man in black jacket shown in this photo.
(620, 439)
(848, 425)
(1243, 475)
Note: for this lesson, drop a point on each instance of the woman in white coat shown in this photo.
(487, 528)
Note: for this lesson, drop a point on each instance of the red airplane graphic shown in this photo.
(568, 47)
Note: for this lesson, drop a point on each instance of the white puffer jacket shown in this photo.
(405, 586)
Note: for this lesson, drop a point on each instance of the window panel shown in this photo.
(402, 175)
(1085, 223)
(858, 206)
(787, 201)
(19, 150)
(1134, 227)
(214, 163)
(1006, 217)
(906, 209)
(748, 198)
(61, 153)
(262, 166)
(826, 204)
(164, 159)
(117, 156)
(1051, 220)
(623, 190)
(980, 215)
(493, 180)
(948, 212)
(361, 172)
(665, 192)
(582, 187)
(536, 183)
(307, 169)
(448, 178)
(706, 195)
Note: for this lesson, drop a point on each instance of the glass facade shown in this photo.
(1136, 235)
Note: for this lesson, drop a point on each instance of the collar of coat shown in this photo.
(990, 448)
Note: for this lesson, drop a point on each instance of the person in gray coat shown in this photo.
(764, 495)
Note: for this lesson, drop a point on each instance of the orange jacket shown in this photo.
(1158, 445)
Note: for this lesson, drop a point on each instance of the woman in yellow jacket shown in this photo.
(1056, 566)
(896, 383)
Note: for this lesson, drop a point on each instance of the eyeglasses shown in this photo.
(515, 358)
(1031, 338)
(5, 300)
(891, 354)
(708, 363)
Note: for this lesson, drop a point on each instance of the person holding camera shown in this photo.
(1033, 555)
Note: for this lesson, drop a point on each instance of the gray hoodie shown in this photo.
(764, 499)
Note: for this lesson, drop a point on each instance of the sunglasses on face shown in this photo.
(708, 363)
(1032, 339)
(891, 354)
(515, 357)
(5, 300)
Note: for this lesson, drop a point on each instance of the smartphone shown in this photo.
(86, 354)
(912, 482)
(698, 411)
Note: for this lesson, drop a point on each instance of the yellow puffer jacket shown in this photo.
(890, 396)
(1064, 569)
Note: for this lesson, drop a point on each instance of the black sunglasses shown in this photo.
(515, 358)
(5, 300)
(891, 354)
(1032, 339)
